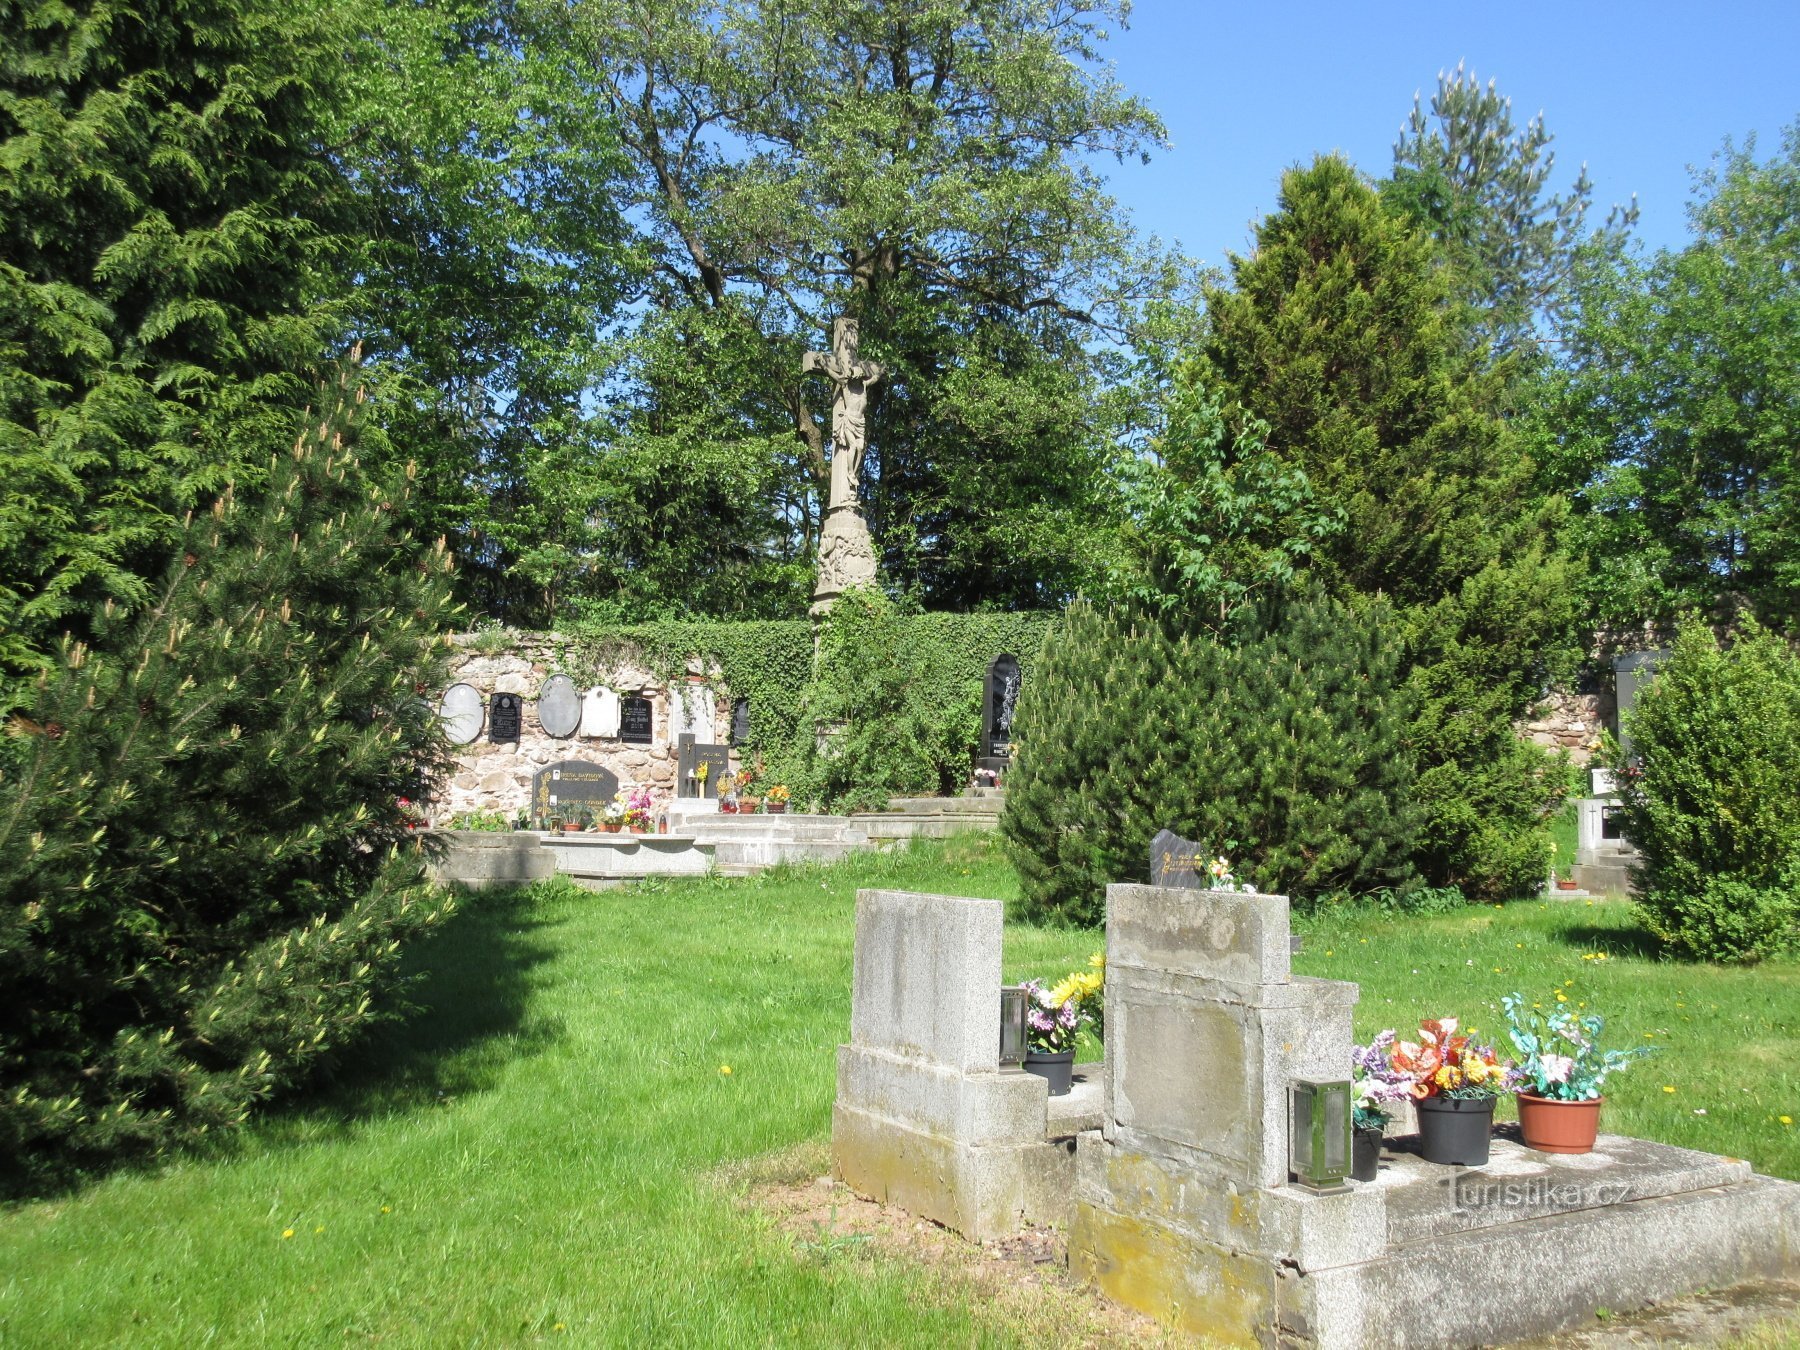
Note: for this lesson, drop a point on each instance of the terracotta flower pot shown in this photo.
(774, 808)
(1552, 1126)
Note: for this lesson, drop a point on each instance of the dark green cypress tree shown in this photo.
(206, 871)
(1346, 334)
(164, 212)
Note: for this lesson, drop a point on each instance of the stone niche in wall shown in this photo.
(497, 776)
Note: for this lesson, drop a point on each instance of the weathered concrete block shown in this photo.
(981, 1191)
(969, 1108)
(926, 978)
(1215, 935)
(479, 858)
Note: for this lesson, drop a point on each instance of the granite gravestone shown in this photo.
(559, 706)
(636, 720)
(570, 785)
(689, 756)
(740, 721)
(462, 713)
(999, 697)
(1179, 862)
(506, 718)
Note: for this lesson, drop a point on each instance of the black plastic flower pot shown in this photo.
(1454, 1131)
(1365, 1153)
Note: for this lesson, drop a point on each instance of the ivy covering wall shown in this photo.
(886, 703)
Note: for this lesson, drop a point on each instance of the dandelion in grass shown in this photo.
(1785, 1120)
(286, 1233)
(724, 1070)
(1668, 1087)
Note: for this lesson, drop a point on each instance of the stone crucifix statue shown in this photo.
(849, 436)
(846, 553)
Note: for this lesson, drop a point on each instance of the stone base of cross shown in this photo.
(846, 556)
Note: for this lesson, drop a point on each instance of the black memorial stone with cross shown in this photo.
(689, 756)
(1178, 862)
(563, 788)
(999, 697)
(506, 717)
(637, 721)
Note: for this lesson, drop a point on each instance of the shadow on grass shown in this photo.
(467, 1016)
(1625, 940)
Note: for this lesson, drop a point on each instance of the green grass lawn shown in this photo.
(531, 1157)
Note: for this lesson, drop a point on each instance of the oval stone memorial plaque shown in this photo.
(559, 706)
(462, 713)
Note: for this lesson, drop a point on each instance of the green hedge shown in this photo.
(1711, 796)
(889, 704)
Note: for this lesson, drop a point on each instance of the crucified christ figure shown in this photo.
(849, 440)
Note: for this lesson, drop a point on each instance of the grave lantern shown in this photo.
(1013, 1001)
(1319, 1133)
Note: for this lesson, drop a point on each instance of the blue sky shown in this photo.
(1639, 91)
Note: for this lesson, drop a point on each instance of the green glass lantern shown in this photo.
(1319, 1133)
(1013, 1002)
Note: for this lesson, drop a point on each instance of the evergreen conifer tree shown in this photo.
(1279, 743)
(206, 866)
(1347, 337)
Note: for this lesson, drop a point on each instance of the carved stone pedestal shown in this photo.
(846, 556)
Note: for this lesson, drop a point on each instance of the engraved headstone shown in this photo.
(1179, 862)
(636, 720)
(462, 713)
(689, 756)
(740, 721)
(559, 706)
(506, 718)
(570, 785)
(999, 698)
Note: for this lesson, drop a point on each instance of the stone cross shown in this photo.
(846, 553)
(849, 434)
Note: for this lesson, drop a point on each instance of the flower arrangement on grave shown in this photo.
(1375, 1083)
(1446, 1063)
(614, 814)
(776, 798)
(411, 815)
(637, 803)
(702, 771)
(1453, 1080)
(1561, 1072)
(1375, 1086)
(1223, 879)
(1056, 1014)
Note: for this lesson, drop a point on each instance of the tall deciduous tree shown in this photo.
(920, 164)
(1344, 334)
(1680, 408)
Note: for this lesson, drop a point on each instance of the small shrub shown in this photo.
(1711, 796)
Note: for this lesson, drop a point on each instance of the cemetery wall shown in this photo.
(1570, 721)
(496, 776)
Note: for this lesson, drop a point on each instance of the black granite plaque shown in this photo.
(637, 721)
(570, 785)
(506, 717)
(740, 721)
(999, 696)
(1175, 861)
(689, 756)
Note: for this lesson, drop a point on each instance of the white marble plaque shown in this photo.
(462, 712)
(559, 706)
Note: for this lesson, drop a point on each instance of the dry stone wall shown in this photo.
(1570, 721)
(493, 776)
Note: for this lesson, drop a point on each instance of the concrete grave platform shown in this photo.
(597, 860)
(925, 1117)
